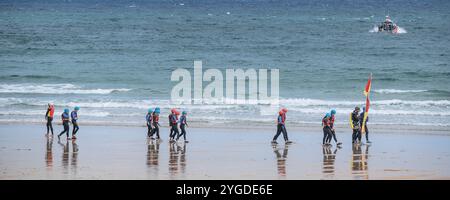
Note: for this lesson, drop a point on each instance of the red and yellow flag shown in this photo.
(368, 86)
(366, 112)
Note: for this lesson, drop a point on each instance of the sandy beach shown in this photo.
(116, 152)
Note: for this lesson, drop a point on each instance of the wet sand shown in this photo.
(125, 153)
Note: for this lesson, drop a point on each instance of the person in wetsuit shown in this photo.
(281, 127)
(148, 119)
(74, 116)
(155, 122)
(49, 118)
(361, 119)
(183, 124)
(355, 125)
(333, 132)
(173, 122)
(326, 129)
(65, 123)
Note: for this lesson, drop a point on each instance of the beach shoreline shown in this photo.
(119, 152)
(388, 128)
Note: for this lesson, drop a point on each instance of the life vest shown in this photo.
(173, 119)
(183, 120)
(281, 118)
(148, 117)
(50, 111)
(74, 116)
(326, 122)
(65, 117)
(155, 118)
(331, 121)
(354, 120)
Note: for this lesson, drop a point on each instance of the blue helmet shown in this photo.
(328, 115)
(150, 110)
(66, 111)
(333, 111)
(364, 108)
(77, 107)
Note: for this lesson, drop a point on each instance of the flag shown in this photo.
(368, 86)
(366, 111)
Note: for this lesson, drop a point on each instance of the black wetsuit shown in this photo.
(326, 130)
(182, 127)
(356, 129)
(65, 123)
(155, 122)
(332, 133)
(366, 130)
(148, 118)
(281, 128)
(49, 121)
(174, 126)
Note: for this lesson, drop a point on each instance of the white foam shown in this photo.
(374, 29)
(393, 91)
(42, 113)
(401, 30)
(29, 88)
(319, 102)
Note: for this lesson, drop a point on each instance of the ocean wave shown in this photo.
(226, 123)
(373, 111)
(15, 77)
(54, 89)
(167, 104)
(42, 113)
(318, 102)
(393, 91)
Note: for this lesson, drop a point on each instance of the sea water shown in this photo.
(114, 58)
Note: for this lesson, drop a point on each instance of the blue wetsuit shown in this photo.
(281, 128)
(65, 123)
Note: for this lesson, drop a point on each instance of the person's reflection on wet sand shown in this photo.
(49, 153)
(173, 159)
(152, 153)
(65, 156)
(329, 158)
(152, 160)
(74, 160)
(182, 150)
(359, 162)
(281, 159)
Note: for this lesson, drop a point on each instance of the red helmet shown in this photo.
(284, 110)
(281, 112)
(173, 110)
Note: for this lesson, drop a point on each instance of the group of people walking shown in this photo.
(356, 123)
(66, 119)
(329, 133)
(177, 123)
(152, 119)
